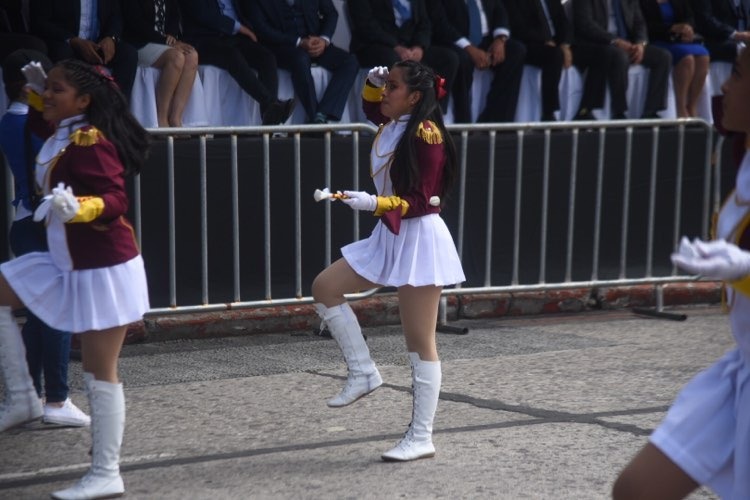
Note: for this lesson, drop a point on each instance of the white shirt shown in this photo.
(89, 25)
(464, 42)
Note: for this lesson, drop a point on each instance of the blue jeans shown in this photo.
(47, 349)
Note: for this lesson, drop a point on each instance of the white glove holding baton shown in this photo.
(378, 75)
(360, 200)
(61, 202)
(36, 78)
(713, 259)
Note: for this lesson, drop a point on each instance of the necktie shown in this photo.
(622, 31)
(403, 9)
(475, 22)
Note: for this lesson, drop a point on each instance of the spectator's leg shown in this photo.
(461, 90)
(10, 42)
(262, 60)
(171, 65)
(682, 74)
(699, 81)
(344, 69)
(298, 63)
(55, 357)
(591, 62)
(124, 66)
(722, 51)
(33, 341)
(618, 64)
(550, 60)
(59, 51)
(445, 63)
(659, 62)
(503, 94)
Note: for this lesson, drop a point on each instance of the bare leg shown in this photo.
(100, 351)
(651, 475)
(418, 307)
(696, 85)
(184, 88)
(683, 75)
(337, 279)
(170, 63)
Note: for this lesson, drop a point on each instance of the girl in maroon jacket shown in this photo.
(92, 280)
(413, 164)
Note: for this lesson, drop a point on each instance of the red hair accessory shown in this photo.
(440, 87)
(105, 74)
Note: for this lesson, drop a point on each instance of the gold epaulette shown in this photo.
(87, 136)
(429, 132)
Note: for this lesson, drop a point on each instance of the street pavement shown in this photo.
(546, 407)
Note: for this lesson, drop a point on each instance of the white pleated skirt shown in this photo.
(423, 253)
(80, 300)
(149, 53)
(707, 430)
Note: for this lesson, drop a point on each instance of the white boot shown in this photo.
(103, 479)
(363, 375)
(417, 442)
(21, 402)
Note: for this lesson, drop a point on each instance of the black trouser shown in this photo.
(10, 42)
(441, 59)
(722, 51)
(608, 64)
(123, 65)
(252, 65)
(503, 94)
(340, 63)
(550, 60)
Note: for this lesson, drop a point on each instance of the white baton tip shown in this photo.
(321, 194)
(434, 201)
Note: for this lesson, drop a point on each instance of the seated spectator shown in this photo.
(385, 32)
(90, 30)
(725, 25)
(223, 38)
(478, 33)
(670, 26)
(153, 26)
(14, 30)
(299, 34)
(610, 35)
(544, 28)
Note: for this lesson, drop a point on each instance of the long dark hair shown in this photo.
(419, 77)
(108, 111)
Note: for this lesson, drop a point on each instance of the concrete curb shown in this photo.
(382, 309)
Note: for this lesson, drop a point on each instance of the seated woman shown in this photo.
(670, 26)
(153, 27)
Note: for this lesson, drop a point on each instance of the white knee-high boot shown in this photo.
(21, 402)
(103, 480)
(417, 442)
(364, 376)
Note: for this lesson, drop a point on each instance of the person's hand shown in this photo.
(183, 47)
(87, 50)
(636, 53)
(417, 53)
(36, 78)
(479, 57)
(245, 31)
(497, 51)
(567, 55)
(377, 76)
(742, 36)
(107, 46)
(360, 200)
(316, 46)
(714, 259)
(403, 53)
(64, 204)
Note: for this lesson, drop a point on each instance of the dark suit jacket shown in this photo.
(139, 24)
(657, 30)
(526, 22)
(12, 19)
(270, 26)
(716, 20)
(450, 19)
(373, 23)
(57, 21)
(591, 18)
(203, 18)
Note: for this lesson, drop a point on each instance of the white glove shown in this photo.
(36, 78)
(64, 204)
(378, 75)
(43, 209)
(359, 200)
(714, 259)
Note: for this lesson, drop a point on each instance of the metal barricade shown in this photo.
(686, 132)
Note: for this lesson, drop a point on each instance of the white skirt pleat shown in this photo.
(423, 253)
(707, 430)
(80, 300)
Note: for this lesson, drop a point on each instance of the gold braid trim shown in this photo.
(372, 94)
(430, 134)
(91, 208)
(87, 137)
(388, 203)
(35, 101)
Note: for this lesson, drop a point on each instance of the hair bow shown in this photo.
(440, 91)
(102, 71)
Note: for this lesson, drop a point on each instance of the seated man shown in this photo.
(14, 31)
(543, 28)
(610, 35)
(478, 32)
(299, 34)
(89, 30)
(222, 37)
(725, 26)
(385, 32)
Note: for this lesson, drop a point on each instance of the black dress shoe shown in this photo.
(584, 114)
(650, 115)
(549, 117)
(278, 112)
(619, 116)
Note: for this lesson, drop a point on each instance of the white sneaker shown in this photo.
(68, 414)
